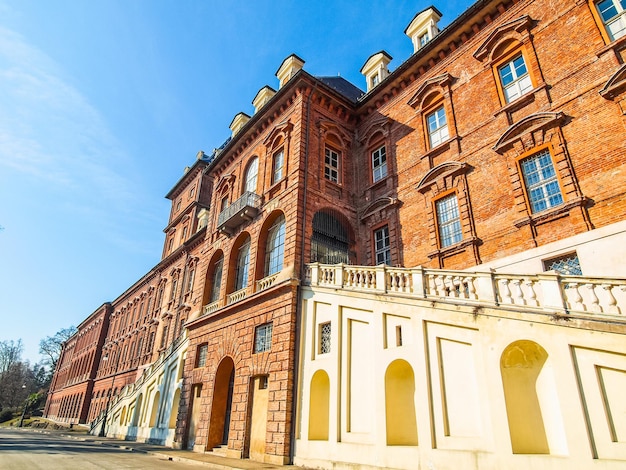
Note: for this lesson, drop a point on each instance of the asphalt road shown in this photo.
(20, 450)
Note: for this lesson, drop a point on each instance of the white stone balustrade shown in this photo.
(237, 296)
(545, 292)
(212, 307)
(266, 282)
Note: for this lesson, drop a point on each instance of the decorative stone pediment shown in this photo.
(440, 171)
(379, 204)
(284, 128)
(439, 83)
(526, 126)
(327, 126)
(224, 181)
(512, 29)
(379, 124)
(615, 85)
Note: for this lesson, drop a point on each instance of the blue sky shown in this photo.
(104, 102)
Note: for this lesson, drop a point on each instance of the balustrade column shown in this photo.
(552, 298)
(486, 287)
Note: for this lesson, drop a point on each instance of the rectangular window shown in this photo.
(423, 39)
(540, 180)
(203, 349)
(263, 338)
(379, 163)
(374, 80)
(568, 265)
(383, 246)
(331, 165)
(325, 335)
(613, 13)
(277, 166)
(515, 78)
(437, 127)
(448, 220)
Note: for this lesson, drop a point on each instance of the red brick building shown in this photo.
(497, 144)
(72, 384)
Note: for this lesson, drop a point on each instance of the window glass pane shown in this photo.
(251, 176)
(607, 9)
(275, 247)
(383, 246)
(568, 265)
(263, 338)
(331, 165)
(448, 220)
(217, 280)
(437, 127)
(325, 336)
(243, 260)
(541, 182)
(379, 163)
(278, 166)
(515, 79)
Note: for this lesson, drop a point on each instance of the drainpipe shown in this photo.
(298, 338)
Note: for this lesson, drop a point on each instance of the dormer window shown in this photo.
(290, 66)
(423, 27)
(375, 69)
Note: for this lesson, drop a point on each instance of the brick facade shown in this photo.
(353, 177)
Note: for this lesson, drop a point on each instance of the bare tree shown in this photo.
(10, 353)
(50, 346)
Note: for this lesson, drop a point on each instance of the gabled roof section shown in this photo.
(419, 13)
(343, 87)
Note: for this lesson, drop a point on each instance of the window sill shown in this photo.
(613, 46)
(522, 101)
(552, 214)
(441, 147)
(454, 249)
(379, 183)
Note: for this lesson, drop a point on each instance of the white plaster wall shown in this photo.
(164, 379)
(601, 252)
(455, 353)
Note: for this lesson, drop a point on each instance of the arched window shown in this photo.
(330, 242)
(216, 279)
(251, 176)
(275, 248)
(243, 264)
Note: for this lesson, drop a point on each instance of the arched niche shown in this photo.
(532, 407)
(400, 418)
(319, 406)
(174, 411)
(155, 410)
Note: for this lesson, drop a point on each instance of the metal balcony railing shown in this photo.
(242, 210)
